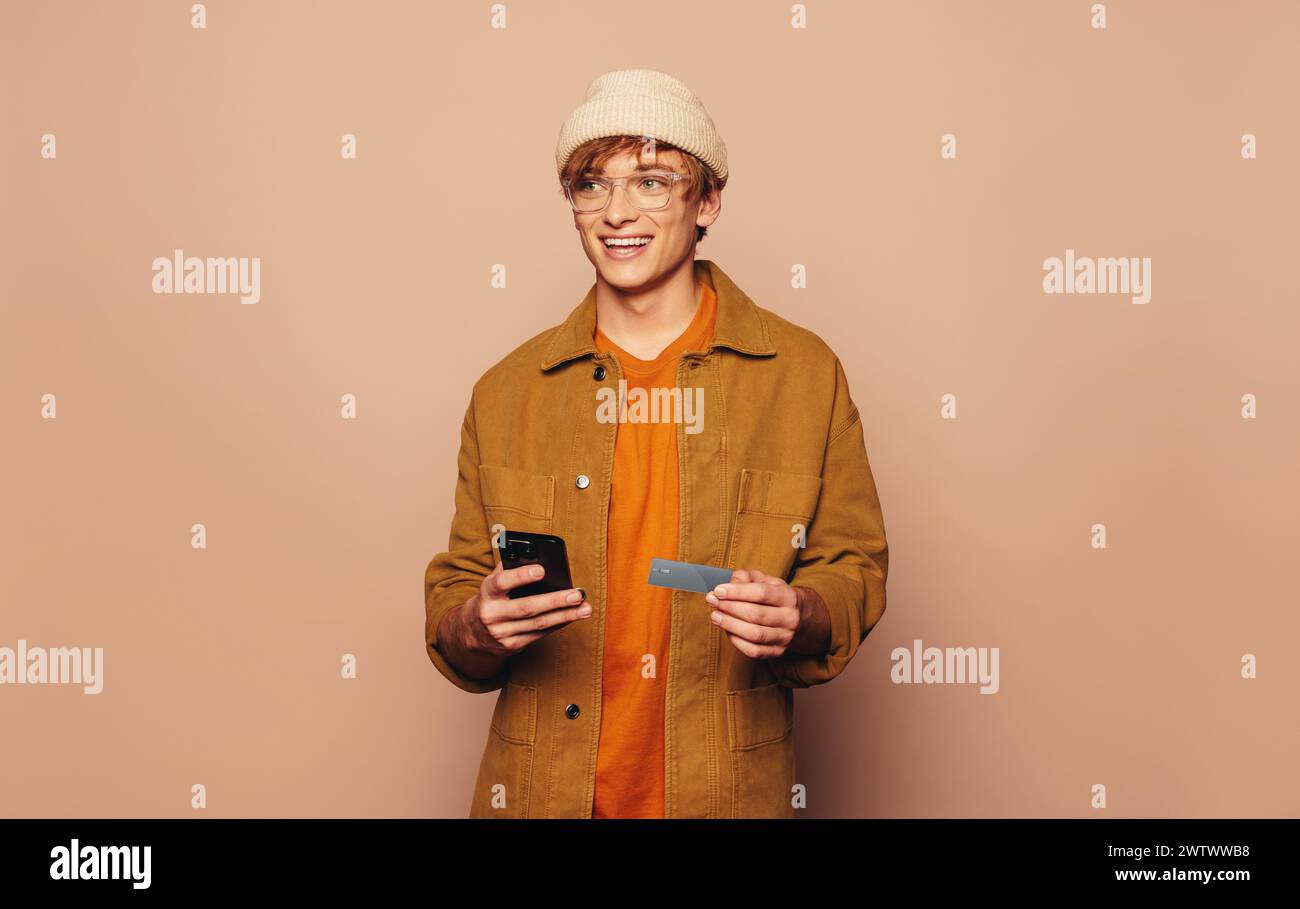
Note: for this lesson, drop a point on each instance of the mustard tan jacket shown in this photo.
(781, 446)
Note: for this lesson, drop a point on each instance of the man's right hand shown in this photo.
(480, 634)
(494, 623)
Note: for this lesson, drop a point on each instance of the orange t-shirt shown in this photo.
(642, 525)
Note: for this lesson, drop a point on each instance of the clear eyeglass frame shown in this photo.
(612, 183)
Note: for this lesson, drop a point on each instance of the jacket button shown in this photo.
(583, 481)
(572, 711)
(599, 373)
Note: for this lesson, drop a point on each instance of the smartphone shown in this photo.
(521, 548)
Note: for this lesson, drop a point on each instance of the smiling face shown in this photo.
(634, 250)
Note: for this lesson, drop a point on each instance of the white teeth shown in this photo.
(626, 241)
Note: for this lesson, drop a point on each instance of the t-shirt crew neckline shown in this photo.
(693, 336)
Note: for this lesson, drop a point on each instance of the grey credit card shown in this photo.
(686, 575)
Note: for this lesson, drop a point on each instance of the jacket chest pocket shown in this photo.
(760, 727)
(514, 499)
(773, 511)
(506, 770)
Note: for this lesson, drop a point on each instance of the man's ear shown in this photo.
(710, 209)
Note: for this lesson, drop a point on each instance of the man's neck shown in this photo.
(645, 322)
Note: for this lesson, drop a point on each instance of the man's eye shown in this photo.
(652, 183)
(587, 186)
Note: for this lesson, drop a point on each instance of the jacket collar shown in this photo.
(739, 325)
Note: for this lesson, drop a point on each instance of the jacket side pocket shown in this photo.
(760, 726)
(505, 772)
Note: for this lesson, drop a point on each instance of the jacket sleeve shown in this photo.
(454, 576)
(846, 556)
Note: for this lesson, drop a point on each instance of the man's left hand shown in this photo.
(765, 617)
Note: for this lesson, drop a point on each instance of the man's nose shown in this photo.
(620, 206)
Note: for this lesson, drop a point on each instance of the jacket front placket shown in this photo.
(691, 724)
(589, 520)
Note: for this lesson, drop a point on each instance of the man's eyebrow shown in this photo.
(640, 168)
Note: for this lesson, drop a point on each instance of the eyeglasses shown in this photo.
(651, 190)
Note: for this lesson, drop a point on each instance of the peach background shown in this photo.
(222, 666)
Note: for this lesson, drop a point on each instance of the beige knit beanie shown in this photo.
(644, 102)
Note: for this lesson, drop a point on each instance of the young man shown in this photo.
(671, 417)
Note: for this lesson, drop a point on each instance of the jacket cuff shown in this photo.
(842, 603)
(436, 610)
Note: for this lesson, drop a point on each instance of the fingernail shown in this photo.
(537, 571)
(717, 617)
(575, 596)
(711, 598)
(720, 591)
(584, 611)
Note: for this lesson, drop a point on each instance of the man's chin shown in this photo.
(629, 276)
(636, 275)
